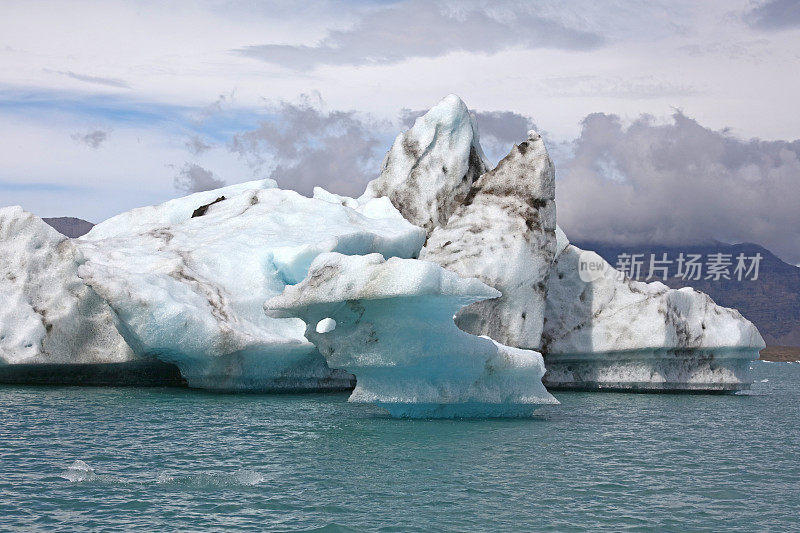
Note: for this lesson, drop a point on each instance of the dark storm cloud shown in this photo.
(420, 28)
(775, 15)
(92, 139)
(679, 183)
(194, 178)
(304, 146)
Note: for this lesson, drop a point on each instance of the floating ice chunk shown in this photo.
(504, 235)
(188, 280)
(607, 331)
(429, 169)
(602, 331)
(394, 331)
(48, 315)
(78, 471)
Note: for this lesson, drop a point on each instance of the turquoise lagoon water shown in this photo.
(170, 459)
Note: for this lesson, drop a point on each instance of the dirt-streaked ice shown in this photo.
(607, 332)
(430, 168)
(504, 234)
(48, 315)
(390, 322)
(189, 289)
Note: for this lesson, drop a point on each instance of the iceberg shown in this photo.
(503, 233)
(390, 323)
(429, 169)
(187, 279)
(49, 316)
(606, 332)
(454, 328)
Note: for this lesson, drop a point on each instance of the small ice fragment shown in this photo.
(78, 471)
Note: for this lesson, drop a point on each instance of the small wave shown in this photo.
(78, 471)
(750, 392)
(248, 477)
(242, 477)
(330, 528)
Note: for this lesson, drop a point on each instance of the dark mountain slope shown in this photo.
(70, 226)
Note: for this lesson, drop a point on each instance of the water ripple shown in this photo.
(163, 459)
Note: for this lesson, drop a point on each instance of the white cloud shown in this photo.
(692, 55)
(775, 15)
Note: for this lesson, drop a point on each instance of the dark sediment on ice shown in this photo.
(129, 374)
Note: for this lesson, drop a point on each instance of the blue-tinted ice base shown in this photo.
(390, 323)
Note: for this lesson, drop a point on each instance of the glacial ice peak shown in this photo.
(504, 234)
(429, 169)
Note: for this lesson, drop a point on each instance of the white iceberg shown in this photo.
(188, 278)
(599, 333)
(390, 322)
(185, 282)
(48, 315)
(429, 169)
(604, 331)
(504, 234)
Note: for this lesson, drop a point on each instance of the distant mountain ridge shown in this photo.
(771, 302)
(70, 226)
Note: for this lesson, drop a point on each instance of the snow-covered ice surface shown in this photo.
(614, 333)
(390, 322)
(430, 168)
(504, 234)
(189, 289)
(48, 315)
(171, 212)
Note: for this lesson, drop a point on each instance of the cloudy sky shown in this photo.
(673, 122)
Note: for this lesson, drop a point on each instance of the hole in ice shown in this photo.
(326, 325)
